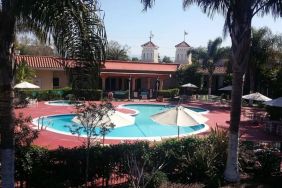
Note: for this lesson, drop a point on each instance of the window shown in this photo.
(56, 82)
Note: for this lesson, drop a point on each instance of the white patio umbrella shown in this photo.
(26, 85)
(119, 119)
(227, 88)
(275, 102)
(256, 97)
(179, 116)
(189, 85)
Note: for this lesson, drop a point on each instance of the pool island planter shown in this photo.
(63, 103)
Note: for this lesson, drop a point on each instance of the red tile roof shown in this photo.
(182, 44)
(47, 62)
(126, 66)
(40, 62)
(149, 44)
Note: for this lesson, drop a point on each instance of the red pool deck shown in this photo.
(218, 115)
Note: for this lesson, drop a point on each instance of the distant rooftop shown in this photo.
(182, 44)
(149, 44)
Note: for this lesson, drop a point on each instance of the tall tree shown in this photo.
(166, 59)
(238, 20)
(116, 51)
(210, 56)
(264, 50)
(24, 72)
(31, 46)
(78, 32)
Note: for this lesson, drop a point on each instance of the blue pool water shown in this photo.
(144, 126)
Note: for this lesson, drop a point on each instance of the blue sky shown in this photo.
(128, 24)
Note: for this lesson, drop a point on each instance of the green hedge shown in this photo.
(54, 94)
(169, 93)
(43, 95)
(89, 94)
(205, 160)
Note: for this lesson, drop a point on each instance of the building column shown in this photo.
(133, 84)
(103, 83)
(122, 83)
(161, 84)
(117, 84)
(148, 83)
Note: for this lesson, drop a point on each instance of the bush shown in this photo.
(169, 93)
(181, 162)
(54, 94)
(44, 95)
(267, 163)
(158, 179)
(89, 94)
(274, 112)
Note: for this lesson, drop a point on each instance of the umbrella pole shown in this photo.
(178, 132)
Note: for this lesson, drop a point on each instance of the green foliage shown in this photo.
(24, 72)
(268, 163)
(157, 180)
(169, 93)
(186, 161)
(134, 59)
(30, 46)
(194, 159)
(54, 94)
(166, 59)
(116, 51)
(44, 95)
(189, 74)
(24, 134)
(89, 94)
(274, 112)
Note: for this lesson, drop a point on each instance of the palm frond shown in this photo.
(264, 7)
(147, 4)
(209, 6)
(76, 27)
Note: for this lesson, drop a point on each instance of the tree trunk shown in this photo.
(87, 160)
(210, 84)
(240, 32)
(252, 81)
(232, 171)
(252, 78)
(7, 115)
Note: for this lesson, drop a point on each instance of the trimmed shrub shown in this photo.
(44, 95)
(89, 94)
(54, 94)
(169, 93)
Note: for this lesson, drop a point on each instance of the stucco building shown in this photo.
(147, 74)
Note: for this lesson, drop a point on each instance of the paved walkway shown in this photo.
(218, 115)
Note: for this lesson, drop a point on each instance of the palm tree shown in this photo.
(24, 72)
(78, 32)
(238, 20)
(210, 57)
(264, 48)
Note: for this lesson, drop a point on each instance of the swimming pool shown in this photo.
(62, 103)
(144, 127)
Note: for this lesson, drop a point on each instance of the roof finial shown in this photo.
(185, 33)
(151, 36)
